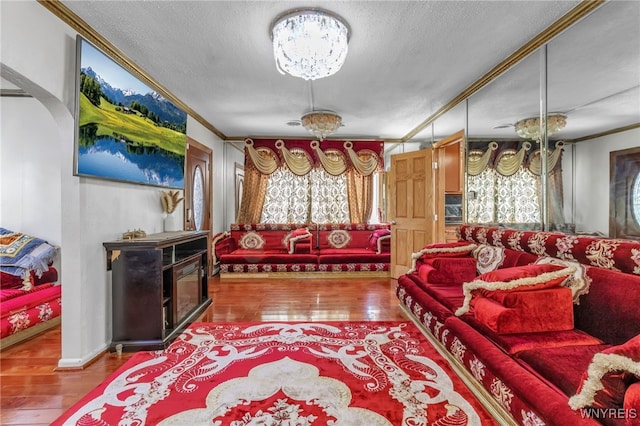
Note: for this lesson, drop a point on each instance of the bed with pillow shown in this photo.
(544, 326)
(30, 295)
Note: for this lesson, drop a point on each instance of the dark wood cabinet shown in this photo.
(158, 287)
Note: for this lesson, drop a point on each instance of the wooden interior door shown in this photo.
(624, 194)
(197, 187)
(411, 207)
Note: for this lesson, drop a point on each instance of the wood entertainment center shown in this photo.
(158, 287)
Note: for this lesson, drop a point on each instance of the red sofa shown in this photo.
(27, 312)
(269, 248)
(545, 327)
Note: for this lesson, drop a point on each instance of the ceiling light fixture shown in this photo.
(321, 123)
(309, 43)
(529, 128)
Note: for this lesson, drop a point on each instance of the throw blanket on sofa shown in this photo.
(21, 253)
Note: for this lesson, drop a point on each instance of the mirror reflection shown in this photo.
(593, 73)
(503, 183)
(593, 104)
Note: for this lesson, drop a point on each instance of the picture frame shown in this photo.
(125, 130)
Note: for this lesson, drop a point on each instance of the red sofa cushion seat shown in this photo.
(241, 256)
(562, 366)
(352, 255)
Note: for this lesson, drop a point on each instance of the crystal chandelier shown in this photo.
(529, 128)
(321, 123)
(309, 43)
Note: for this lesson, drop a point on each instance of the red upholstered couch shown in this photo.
(540, 342)
(25, 313)
(268, 248)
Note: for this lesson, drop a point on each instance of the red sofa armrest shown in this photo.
(525, 311)
(222, 244)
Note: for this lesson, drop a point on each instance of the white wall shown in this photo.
(38, 55)
(30, 165)
(591, 186)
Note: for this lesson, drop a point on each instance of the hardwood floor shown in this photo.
(33, 393)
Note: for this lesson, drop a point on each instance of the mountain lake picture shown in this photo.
(126, 131)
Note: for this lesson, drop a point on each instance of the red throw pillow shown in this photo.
(518, 278)
(299, 231)
(448, 270)
(375, 235)
(608, 376)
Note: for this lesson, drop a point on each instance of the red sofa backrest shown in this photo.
(611, 309)
(353, 235)
(271, 236)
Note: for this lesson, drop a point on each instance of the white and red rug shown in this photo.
(293, 374)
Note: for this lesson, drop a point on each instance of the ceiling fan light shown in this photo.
(309, 43)
(321, 123)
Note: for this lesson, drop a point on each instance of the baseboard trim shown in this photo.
(317, 274)
(75, 364)
(497, 411)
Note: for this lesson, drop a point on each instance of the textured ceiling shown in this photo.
(406, 60)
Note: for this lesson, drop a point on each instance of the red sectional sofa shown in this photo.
(545, 327)
(272, 248)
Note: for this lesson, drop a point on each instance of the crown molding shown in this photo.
(601, 134)
(581, 10)
(85, 30)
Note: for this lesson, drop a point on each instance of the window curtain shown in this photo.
(506, 184)
(309, 183)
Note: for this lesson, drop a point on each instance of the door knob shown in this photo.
(393, 222)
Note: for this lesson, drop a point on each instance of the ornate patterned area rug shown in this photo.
(332, 373)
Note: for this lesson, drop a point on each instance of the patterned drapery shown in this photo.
(506, 184)
(309, 181)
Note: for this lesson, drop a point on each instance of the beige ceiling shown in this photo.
(407, 59)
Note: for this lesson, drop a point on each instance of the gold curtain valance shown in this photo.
(299, 163)
(265, 163)
(365, 162)
(478, 160)
(509, 161)
(535, 165)
(334, 164)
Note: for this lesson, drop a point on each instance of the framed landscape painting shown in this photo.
(125, 130)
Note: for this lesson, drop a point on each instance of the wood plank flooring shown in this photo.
(33, 393)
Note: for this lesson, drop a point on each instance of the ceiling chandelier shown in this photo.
(529, 128)
(309, 43)
(321, 123)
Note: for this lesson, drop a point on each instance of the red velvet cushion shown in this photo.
(526, 271)
(609, 375)
(8, 281)
(525, 311)
(448, 270)
(521, 299)
(375, 235)
(562, 365)
(299, 231)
